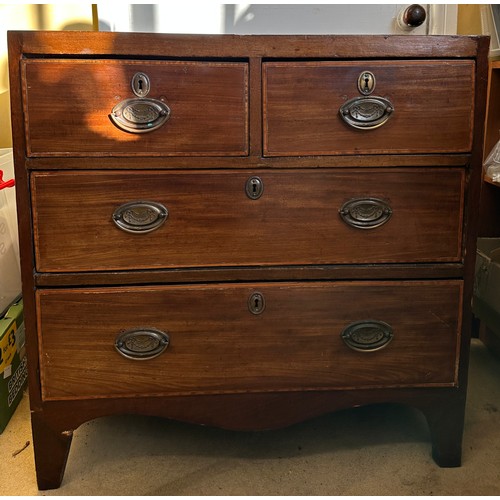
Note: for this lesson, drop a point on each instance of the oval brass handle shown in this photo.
(366, 112)
(140, 115)
(140, 216)
(365, 213)
(142, 343)
(367, 336)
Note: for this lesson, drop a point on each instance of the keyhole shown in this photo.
(254, 188)
(141, 84)
(366, 82)
(367, 79)
(256, 303)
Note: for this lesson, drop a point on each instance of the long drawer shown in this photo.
(192, 219)
(112, 107)
(320, 107)
(124, 342)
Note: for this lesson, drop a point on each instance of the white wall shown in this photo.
(208, 17)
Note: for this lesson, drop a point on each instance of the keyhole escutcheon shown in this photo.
(140, 84)
(254, 188)
(256, 303)
(366, 82)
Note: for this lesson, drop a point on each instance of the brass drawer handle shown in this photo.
(367, 336)
(365, 213)
(140, 115)
(140, 216)
(142, 343)
(366, 113)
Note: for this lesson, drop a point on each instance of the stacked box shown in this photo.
(486, 302)
(13, 364)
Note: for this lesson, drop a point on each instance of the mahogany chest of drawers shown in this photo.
(245, 231)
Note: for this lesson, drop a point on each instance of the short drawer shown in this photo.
(429, 107)
(316, 336)
(80, 107)
(301, 217)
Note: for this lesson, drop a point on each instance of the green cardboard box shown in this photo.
(13, 364)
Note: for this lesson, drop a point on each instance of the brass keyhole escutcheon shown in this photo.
(141, 84)
(254, 188)
(256, 303)
(366, 83)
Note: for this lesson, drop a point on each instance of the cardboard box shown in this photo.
(486, 301)
(13, 364)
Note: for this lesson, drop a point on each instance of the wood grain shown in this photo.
(286, 46)
(302, 102)
(158, 162)
(218, 346)
(245, 372)
(442, 407)
(213, 223)
(68, 105)
(253, 273)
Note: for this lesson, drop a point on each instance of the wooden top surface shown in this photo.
(279, 46)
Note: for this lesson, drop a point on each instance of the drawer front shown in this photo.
(69, 107)
(431, 107)
(217, 345)
(211, 220)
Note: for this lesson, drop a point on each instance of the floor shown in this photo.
(376, 450)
